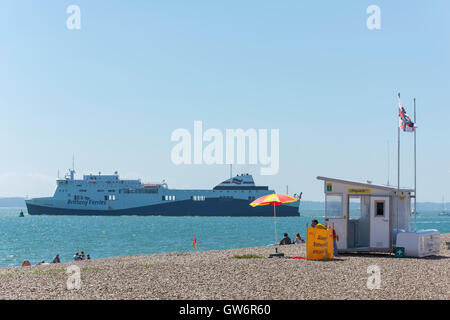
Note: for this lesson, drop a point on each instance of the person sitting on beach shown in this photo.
(298, 239)
(285, 240)
(88, 257)
(26, 263)
(76, 257)
(41, 263)
(82, 255)
(316, 224)
(56, 259)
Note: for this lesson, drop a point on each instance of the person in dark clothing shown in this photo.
(56, 259)
(285, 240)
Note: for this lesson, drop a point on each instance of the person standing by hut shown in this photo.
(335, 240)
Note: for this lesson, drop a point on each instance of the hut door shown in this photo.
(379, 222)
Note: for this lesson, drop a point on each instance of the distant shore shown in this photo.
(219, 274)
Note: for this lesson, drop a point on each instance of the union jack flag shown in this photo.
(405, 122)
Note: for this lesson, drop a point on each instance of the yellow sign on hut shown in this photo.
(359, 190)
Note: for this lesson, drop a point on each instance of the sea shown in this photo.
(37, 238)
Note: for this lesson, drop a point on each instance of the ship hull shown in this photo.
(209, 207)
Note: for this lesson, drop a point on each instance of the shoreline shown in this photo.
(216, 274)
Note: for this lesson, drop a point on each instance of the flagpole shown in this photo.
(415, 169)
(398, 167)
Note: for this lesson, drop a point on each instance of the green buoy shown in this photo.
(21, 214)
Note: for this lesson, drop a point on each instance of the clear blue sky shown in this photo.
(112, 92)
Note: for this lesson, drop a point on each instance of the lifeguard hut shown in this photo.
(366, 216)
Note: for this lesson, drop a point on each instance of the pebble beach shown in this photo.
(229, 274)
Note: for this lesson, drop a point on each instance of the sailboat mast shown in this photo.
(388, 164)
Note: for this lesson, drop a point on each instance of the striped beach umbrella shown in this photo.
(274, 199)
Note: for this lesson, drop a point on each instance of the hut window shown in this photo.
(379, 209)
(333, 207)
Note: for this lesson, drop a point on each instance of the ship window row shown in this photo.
(108, 182)
(78, 198)
(147, 190)
(226, 198)
(82, 190)
(110, 197)
(249, 191)
(198, 198)
(168, 198)
(100, 180)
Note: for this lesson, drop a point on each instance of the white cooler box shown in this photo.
(420, 244)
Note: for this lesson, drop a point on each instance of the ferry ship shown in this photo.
(112, 196)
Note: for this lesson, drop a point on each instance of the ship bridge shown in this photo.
(240, 182)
